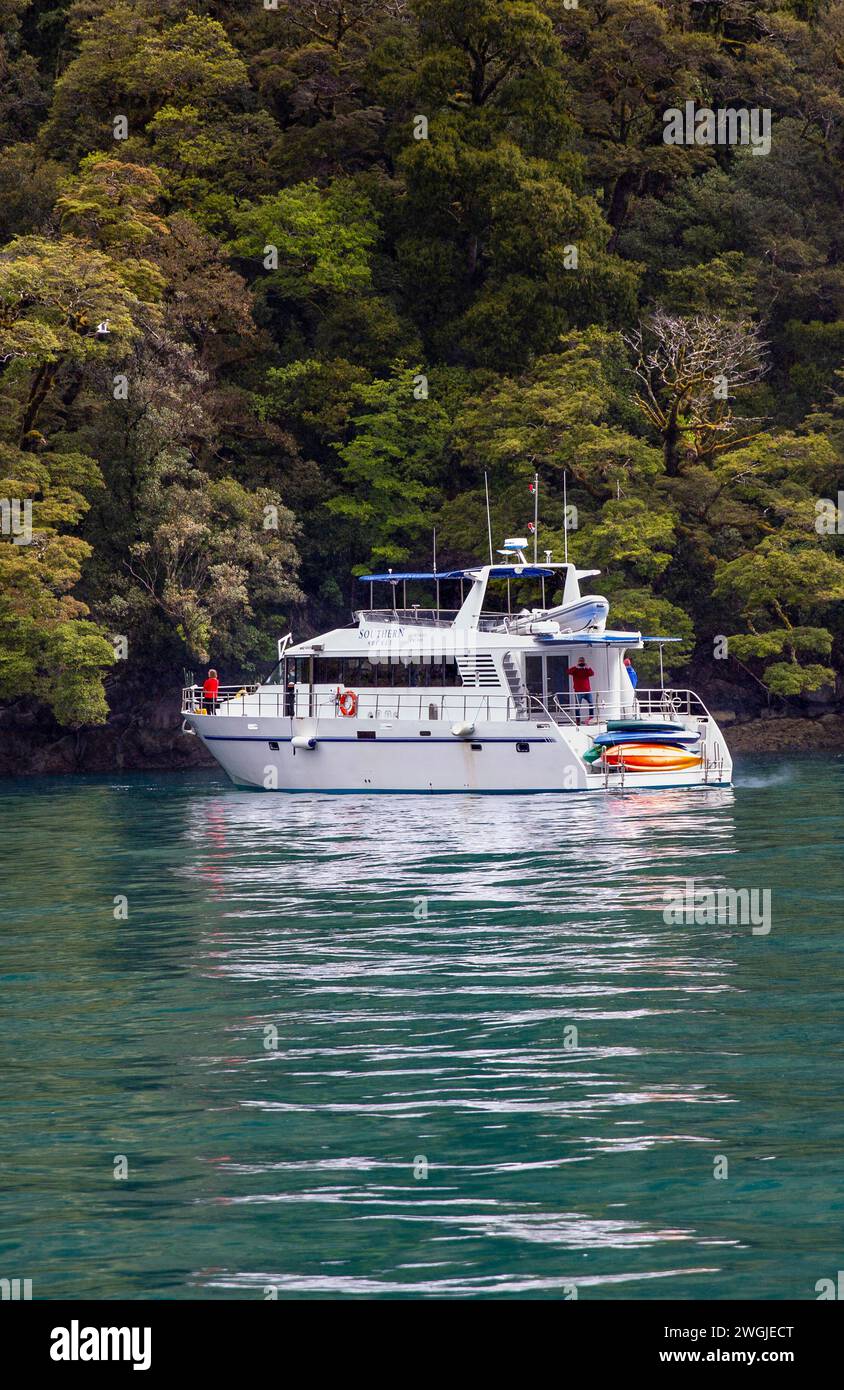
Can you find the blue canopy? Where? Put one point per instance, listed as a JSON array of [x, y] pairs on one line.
[[414, 574], [589, 639], [496, 572]]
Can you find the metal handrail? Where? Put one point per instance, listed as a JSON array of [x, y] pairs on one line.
[[606, 704], [422, 704], [671, 702], [193, 700], [421, 617], [488, 621]]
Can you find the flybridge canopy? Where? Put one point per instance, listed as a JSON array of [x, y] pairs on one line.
[[495, 572]]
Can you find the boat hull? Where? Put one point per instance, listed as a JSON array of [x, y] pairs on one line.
[[405, 756]]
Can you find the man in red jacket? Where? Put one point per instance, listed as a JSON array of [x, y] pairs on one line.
[[579, 676], [210, 688]]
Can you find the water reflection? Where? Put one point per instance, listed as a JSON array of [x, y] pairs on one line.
[[426, 962]]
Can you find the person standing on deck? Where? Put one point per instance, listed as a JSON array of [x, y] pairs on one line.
[[632, 676], [579, 676], [290, 697], [210, 688]]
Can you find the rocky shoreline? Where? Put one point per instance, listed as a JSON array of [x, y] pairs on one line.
[[147, 737], [781, 734]]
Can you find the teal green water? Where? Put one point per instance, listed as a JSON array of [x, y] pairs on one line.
[[402, 1037]]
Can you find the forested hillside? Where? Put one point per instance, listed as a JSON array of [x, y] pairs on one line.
[[280, 281]]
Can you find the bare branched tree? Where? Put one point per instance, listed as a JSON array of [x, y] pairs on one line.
[[689, 371], [330, 20]]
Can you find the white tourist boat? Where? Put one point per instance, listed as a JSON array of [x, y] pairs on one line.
[[413, 699]]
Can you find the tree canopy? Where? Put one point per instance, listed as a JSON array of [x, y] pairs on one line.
[[278, 285]]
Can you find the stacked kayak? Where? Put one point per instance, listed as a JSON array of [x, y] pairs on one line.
[[646, 745]]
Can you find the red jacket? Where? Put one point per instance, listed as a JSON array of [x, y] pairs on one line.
[[580, 678], [210, 688]]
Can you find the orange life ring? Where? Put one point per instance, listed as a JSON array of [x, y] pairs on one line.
[[348, 704]]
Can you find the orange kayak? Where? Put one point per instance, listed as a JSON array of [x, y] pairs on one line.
[[642, 757]]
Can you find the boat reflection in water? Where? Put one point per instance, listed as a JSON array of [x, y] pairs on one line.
[[423, 964]]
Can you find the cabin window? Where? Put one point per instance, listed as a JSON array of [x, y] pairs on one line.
[[423, 673], [327, 670], [359, 673], [366, 733], [477, 747], [522, 747], [274, 747], [355, 672]]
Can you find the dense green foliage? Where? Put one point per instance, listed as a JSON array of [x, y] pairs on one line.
[[279, 282]]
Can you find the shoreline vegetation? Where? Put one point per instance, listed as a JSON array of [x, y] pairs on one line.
[[282, 286]]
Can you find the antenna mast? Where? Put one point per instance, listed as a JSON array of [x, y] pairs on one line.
[[565, 520], [535, 515]]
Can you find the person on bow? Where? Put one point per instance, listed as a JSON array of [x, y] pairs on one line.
[[210, 690]]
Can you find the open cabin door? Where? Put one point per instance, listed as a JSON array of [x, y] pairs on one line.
[[547, 676]]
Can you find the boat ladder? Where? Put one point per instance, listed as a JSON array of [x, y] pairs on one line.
[[619, 770], [713, 764]]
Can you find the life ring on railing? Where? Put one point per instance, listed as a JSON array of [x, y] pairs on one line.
[[348, 704]]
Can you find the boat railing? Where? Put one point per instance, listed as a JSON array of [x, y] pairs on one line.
[[420, 705], [230, 699], [435, 617], [561, 707], [417, 617], [614, 704], [253, 701], [670, 704], [605, 704]]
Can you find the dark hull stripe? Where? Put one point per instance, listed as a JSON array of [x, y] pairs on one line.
[[283, 738]]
